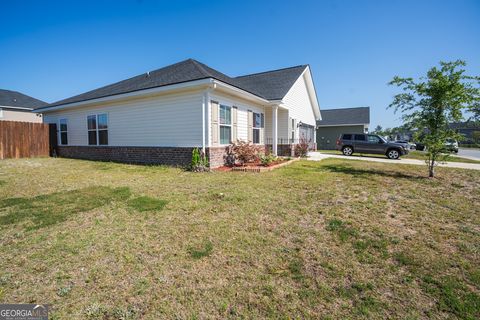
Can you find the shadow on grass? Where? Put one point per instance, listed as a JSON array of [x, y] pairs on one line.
[[46, 210], [369, 172]]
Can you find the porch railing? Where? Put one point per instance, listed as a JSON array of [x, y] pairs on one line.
[[286, 141]]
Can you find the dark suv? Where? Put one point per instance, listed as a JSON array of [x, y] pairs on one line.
[[349, 143]]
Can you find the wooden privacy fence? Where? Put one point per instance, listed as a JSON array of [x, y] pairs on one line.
[[23, 139]]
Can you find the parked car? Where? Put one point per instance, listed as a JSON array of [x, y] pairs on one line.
[[420, 146], [411, 146], [350, 143], [451, 145]]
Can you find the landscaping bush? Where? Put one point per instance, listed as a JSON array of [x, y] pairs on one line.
[[245, 152], [301, 149], [199, 161], [267, 159]]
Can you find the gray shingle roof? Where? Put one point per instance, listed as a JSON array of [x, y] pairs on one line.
[[344, 116], [270, 85], [10, 98]]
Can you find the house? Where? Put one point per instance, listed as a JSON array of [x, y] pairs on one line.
[[16, 106], [160, 116], [337, 121]]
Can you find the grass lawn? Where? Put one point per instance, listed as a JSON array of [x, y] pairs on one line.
[[333, 239], [419, 155]]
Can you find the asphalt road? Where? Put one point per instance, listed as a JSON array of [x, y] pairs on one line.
[[469, 153]]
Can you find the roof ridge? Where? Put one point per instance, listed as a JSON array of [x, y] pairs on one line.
[[346, 108], [274, 70], [200, 67]]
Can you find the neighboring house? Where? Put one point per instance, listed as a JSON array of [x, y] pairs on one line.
[[334, 122], [467, 129], [16, 106], [160, 116]]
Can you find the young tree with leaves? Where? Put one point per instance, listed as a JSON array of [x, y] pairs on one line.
[[433, 102]]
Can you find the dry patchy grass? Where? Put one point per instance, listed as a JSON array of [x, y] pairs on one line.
[[329, 239]]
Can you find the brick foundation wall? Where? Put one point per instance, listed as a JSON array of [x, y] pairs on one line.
[[216, 156], [174, 156]]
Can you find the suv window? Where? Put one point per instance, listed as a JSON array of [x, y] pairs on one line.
[[360, 137], [373, 139], [347, 137]]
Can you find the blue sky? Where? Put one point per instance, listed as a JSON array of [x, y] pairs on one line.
[[55, 49]]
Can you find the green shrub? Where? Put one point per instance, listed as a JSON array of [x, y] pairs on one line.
[[199, 161]]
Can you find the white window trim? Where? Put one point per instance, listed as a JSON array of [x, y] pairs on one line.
[[220, 125], [60, 132], [97, 130], [258, 128], [1, 113]]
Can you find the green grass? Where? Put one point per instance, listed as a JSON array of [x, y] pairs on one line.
[[418, 155], [147, 204], [315, 240]]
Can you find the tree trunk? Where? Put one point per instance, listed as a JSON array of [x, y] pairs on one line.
[[431, 168]]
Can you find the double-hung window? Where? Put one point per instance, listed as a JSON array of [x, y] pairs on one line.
[[97, 129], [225, 124], [258, 124], [63, 131]]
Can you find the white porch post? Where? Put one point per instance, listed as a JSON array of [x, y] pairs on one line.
[[274, 129], [206, 120]]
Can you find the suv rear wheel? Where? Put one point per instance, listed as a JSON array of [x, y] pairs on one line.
[[393, 154], [347, 151]]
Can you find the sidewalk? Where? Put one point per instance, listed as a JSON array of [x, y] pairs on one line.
[[317, 156]]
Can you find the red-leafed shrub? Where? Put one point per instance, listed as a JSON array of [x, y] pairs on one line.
[[245, 152], [301, 149]]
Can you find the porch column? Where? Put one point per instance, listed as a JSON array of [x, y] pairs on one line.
[[274, 129]]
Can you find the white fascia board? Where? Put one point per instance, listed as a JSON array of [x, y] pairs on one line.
[[17, 108], [134, 94], [238, 92]]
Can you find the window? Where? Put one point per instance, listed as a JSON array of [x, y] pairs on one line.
[[97, 129], [293, 131], [63, 131], [258, 124], [225, 124], [347, 137], [360, 137], [373, 139]]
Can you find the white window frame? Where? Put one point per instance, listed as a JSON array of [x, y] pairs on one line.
[[97, 130], [1, 113], [220, 125], [293, 131], [60, 131], [262, 126]]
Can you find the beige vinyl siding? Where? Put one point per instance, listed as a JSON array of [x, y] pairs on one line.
[[242, 112], [24, 116], [298, 103], [282, 124], [168, 120]]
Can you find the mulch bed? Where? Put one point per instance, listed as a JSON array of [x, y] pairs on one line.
[[256, 167]]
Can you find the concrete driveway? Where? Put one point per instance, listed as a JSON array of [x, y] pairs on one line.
[[318, 156], [469, 153]]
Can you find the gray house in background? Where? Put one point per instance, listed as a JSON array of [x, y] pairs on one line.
[[16, 106], [337, 121]]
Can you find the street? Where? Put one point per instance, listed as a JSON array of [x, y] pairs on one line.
[[470, 153]]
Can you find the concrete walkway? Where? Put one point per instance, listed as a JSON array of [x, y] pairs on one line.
[[317, 156]]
